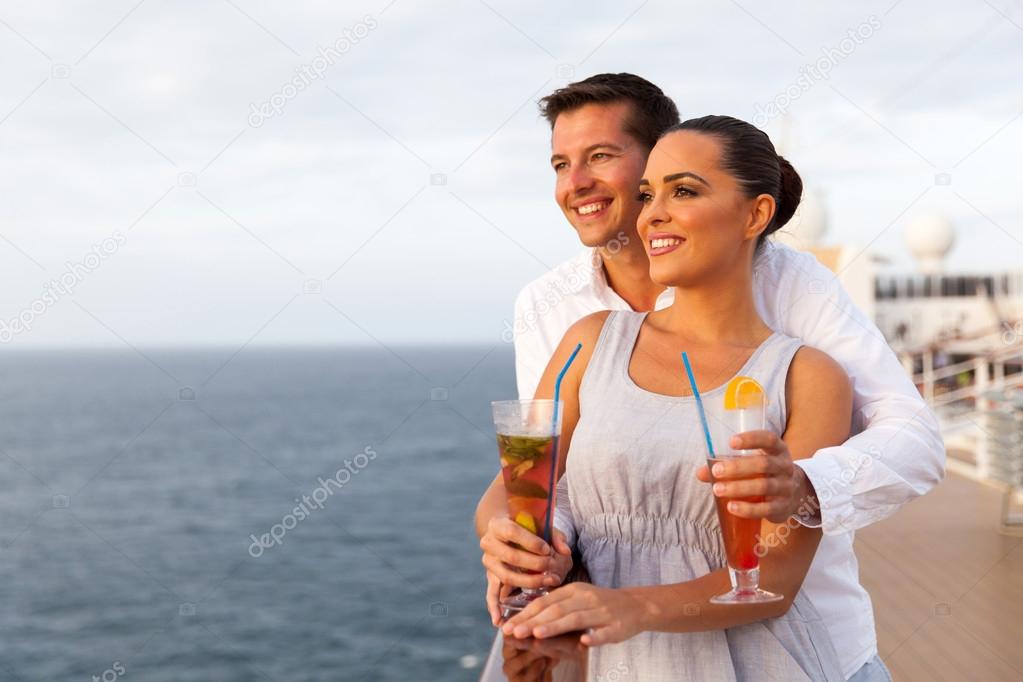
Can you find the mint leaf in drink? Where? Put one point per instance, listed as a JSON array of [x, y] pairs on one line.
[[523, 447]]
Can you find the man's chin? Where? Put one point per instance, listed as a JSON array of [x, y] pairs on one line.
[[593, 237]]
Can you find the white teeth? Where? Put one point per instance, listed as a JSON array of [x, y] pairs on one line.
[[661, 243], [592, 208]]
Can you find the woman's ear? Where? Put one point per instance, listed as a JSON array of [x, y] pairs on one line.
[[760, 215]]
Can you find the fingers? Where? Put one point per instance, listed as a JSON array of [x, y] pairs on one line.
[[500, 551], [508, 531], [764, 486], [757, 440], [493, 597], [774, 509], [560, 568], [536, 607], [510, 576], [750, 466], [703, 474], [570, 622], [538, 618], [596, 636], [560, 546]]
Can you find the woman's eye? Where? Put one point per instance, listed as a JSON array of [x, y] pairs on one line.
[[644, 197], [681, 191]]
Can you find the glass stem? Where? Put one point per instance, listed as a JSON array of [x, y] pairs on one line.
[[745, 581]]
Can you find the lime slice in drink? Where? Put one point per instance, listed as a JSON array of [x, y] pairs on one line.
[[526, 520], [743, 393]]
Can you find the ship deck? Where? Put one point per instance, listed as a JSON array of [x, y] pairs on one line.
[[947, 587]]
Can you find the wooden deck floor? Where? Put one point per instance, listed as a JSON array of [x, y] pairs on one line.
[[947, 587]]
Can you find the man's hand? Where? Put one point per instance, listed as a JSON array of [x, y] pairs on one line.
[[769, 474], [508, 549]]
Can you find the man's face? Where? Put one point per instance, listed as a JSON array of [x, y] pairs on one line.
[[598, 167]]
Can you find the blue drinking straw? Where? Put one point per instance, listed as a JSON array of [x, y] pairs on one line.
[[699, 404], [554, 443]]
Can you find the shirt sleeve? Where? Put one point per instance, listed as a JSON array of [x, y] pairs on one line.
[[531, 351], [898, 453]]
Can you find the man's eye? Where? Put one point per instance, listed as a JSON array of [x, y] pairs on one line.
[[599, 156], [559, 165]]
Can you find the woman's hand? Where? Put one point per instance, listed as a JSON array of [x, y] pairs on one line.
[[769, 474], [508, 549], [607, 615]]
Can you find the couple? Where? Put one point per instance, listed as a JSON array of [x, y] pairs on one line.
[[676, 216]]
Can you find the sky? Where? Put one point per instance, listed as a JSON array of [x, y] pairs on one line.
[[166, 182]]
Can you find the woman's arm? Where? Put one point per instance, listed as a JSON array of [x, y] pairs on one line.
[[819, 398]]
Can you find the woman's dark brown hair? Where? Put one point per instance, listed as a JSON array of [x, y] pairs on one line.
[[748, 155]]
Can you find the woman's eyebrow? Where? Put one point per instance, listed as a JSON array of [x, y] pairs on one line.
[[685, 174]]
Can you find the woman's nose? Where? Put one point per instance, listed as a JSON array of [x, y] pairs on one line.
[[653, 214]]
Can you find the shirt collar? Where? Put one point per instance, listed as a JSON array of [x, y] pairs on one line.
[[603, 292]]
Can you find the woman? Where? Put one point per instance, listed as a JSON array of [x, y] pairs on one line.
[[647, 532]]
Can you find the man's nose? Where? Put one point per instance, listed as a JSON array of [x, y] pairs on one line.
[[579, 179]]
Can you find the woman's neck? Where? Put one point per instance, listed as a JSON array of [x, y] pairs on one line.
[[716, 312]]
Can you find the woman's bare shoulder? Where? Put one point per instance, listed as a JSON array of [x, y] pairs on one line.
[[814, 371], [588, 327]]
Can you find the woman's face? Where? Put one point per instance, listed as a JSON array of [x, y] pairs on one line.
[[696, 223]]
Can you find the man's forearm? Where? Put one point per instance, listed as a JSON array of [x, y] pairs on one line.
[[871, 475], [899, 455]]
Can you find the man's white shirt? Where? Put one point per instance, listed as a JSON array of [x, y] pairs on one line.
[[896, 455]]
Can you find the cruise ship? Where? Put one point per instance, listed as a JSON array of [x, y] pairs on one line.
[[959, 335]]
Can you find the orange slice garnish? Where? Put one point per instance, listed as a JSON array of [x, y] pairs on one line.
[[743, 393]]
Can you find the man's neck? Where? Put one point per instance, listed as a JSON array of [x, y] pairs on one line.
[[628, 273]]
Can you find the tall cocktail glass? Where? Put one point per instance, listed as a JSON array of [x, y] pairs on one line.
[[527, 438], [744, 410]]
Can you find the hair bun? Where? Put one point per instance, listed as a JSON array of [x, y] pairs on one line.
[[789, 194]]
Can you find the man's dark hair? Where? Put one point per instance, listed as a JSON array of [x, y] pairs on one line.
[[652, 113]]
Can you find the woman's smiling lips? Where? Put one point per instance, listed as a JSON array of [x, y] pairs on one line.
[[663, 242]]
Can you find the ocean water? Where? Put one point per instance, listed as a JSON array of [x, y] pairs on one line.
[[131, 486]]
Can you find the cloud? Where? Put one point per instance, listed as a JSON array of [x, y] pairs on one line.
[[149, 127]]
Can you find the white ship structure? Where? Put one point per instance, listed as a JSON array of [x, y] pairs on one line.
[[958, 334]]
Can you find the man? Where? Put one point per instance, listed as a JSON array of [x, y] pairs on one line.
[[602, 131]]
